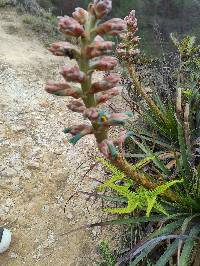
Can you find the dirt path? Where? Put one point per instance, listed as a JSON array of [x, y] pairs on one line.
[[37, 165]]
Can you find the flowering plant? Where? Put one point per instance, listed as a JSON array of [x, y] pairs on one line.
[[148, 182], [91, 55]]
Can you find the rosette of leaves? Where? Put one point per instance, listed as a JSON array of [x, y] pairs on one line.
[[176, 236], [169, 131]]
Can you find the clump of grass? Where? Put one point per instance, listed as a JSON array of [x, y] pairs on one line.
[[4, 3], [107, 258]]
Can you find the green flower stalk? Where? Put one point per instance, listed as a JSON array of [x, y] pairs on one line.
[[91, 55]]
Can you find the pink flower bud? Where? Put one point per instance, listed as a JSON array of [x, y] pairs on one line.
[[103, 147], [103, 97], [73, 74], [123, 135], [119, 118], [132, 38], [71, 27], [131, 22], [121, 52], [108, 149], [80, 128], [62, 89], [135, 39], [91, 113], [113, 26], [80, 15], [102, 7], [78, 132], [121, 46], [121, 139], [98, 38], [77, 106], [65, 49], [107, 83], [134, 52], [104, 63], [98, 48], [127, 53]]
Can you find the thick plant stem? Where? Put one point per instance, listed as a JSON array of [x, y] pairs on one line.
[[140, 90], [140, 179], [89, 99]]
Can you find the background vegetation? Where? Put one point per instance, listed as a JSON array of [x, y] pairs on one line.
[[154, 17]]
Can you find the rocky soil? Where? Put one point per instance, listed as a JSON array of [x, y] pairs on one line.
[[39, 169]]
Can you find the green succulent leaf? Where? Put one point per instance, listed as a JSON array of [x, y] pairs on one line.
[[140, 197]]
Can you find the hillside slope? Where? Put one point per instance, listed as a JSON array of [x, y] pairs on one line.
[[39, 170]]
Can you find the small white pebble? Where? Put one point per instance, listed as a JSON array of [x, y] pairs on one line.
[[5, 239], [13, 255]]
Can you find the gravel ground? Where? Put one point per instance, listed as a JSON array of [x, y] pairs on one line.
[[39, 169]]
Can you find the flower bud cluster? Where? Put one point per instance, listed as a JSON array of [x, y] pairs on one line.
[[70, 26], [65, 49], [78, 132], [98, 47], [127, 49], [80, 15], [73, 74], [92, 55], [102, 7], [114, 26], [63, 88]]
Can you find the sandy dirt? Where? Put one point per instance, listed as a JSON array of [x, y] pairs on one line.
[[39, 169]]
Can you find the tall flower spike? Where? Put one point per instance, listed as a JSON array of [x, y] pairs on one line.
[[80, 15], [104, 63], [73, 74], [102, 7], [71, 27], [63, 89], [114, 26], [127, 50], [65, 49], [85, 25], [131, 22]]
